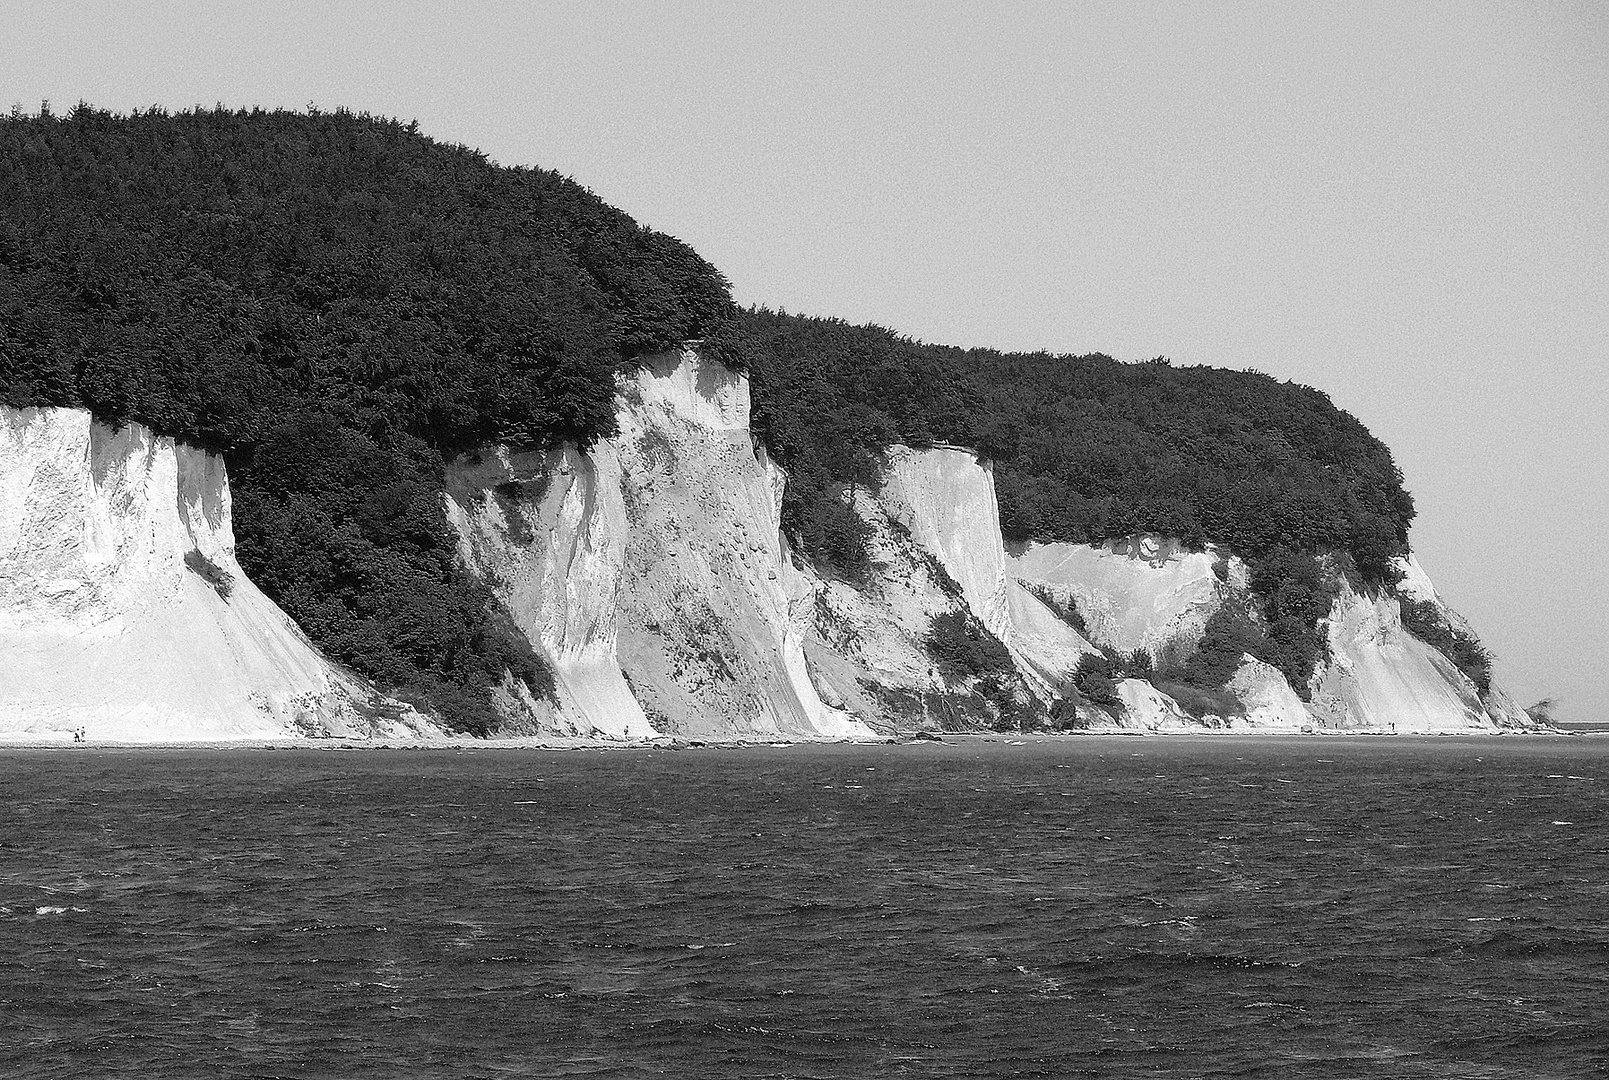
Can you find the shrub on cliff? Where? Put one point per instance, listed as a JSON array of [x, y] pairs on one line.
[[1423, 619], [1096, 679], [1228, 636], [962, 648], [1065, 610], [221, 580]]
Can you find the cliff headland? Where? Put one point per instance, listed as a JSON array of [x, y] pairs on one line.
[[311, 427]]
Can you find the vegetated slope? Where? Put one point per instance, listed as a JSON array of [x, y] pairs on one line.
[[1086, 449], [333, 302]]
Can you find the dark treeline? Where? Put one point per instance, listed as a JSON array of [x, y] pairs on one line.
[[1086, 449], [333, 302]]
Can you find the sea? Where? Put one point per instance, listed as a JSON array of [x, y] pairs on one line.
[[1074, 907]]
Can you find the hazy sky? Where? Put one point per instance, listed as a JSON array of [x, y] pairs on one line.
[[1405, 205]]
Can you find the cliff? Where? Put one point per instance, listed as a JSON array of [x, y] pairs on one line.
[[649, 570], [414, 300], [1380, 677], [123, 611], [1142, 592]]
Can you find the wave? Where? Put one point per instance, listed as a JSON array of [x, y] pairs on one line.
[[1509, 943], [1146, 963]]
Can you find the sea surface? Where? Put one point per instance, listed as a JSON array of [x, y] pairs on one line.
[[1085, 907]]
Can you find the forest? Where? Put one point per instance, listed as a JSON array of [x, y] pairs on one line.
[[337, 303]]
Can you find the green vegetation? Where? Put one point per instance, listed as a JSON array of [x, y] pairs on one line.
[[1066, 611], [1086, 448], [221, 580], [1201, 703], [1424, 620], [1229, 635], [962, 648], [973, 660], [1097, 677], [335, 303]]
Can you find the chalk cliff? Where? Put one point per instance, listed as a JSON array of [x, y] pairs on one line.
[[945, 499], [1141, 592], [650, 571], [1380, 677], [123, 611], [1146, 592]]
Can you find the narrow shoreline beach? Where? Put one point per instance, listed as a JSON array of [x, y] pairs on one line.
[[672, 743]]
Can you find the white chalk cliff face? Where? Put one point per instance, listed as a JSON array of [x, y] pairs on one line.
[[1379, 677], [548, 529], [1146, 592], [1142, 592], [935, 550], [945, 499], [650, 571], [116, 551], [1270, 703]]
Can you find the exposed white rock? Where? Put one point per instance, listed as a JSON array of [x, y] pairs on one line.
[[103, 625], [1509, 714], [1497, 707], [945, 498], [1043, 643], [865, 643], [711, 638], [651, 571], [1143, 592], [1271, 705], [549, 531], [1145, 708], [1502, 709], [1379, 677]]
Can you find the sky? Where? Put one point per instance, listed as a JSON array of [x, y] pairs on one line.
[[1403, 204]]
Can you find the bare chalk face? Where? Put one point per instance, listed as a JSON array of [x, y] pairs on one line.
[[1405, 206]]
